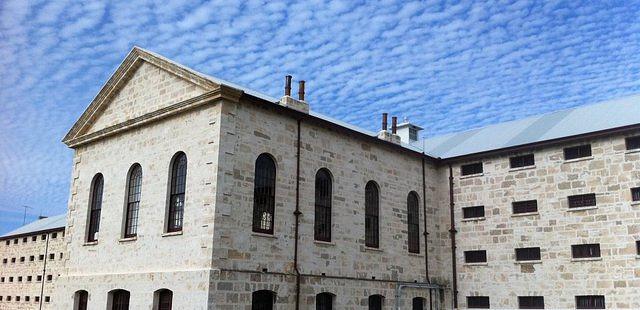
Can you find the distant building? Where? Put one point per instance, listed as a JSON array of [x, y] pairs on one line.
[[32, 258]]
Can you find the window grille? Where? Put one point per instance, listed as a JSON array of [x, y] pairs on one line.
[[262, 300], [577, 152], [324, 301], [635, 194], [585, 250], [478, 302], [522, 161], [133, 201], [322, 226], [633, 143], [177, 192], [584, 200], [418, 303], [375, 302], [527, 254], [372, 211], [470, 169], [165, 300], [264, 191], [590, 302], [526, 206], [413, 223], [96, 207], [120, 300], [473, 212], [479, 256]]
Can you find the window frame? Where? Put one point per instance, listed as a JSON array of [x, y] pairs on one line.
[[96, 196], [577, 152], [372, 214], [582, 201], [632, 143], [475, 257], [413, 222], [264, 194], [528, 254], [119, 299], [586, 250], [176, 193], [160, 301], [522, 161], [635, 194], [261, 297], [324, 301], [524, 206], [133, 194], [473, 213], [593, 302], [472, 169], [375, 302], [323, 205], [478, 302], [80, 300]]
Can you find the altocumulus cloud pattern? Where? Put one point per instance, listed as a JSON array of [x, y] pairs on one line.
[[448, 66]]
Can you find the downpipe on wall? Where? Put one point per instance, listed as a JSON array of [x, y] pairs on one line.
[[452, 233], [297, 214]]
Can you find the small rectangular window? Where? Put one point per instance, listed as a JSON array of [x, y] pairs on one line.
[[2, 279], [522, 161], [52, 256], [580, 201], [473, 212], [528, 254], [49, 277], [22, 259], [39, 278], [525, 206], [8, 298], [27, 298], [479, 256], [635, 194], [638, 247], [13, 259], [41, 257], [29, 278], [32, 258], [24, 240], [633, 143], [470, 169], [8, 242], [590, 302], [585, 250], [17, 298], [34, 238], [0, 297], [4, 261], [478, 302], [15, 241], [43, 237], [20, 279], [10, 279], [47, 299], [54, 235], [577, 152], [36, 298]]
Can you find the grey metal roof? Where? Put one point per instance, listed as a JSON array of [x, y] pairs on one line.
[[560, 124], [58, 221]]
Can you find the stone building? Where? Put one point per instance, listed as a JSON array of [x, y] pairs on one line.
[[32, 259], [189, 192]]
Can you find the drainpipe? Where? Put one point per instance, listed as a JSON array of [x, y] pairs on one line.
[[452, 233], [297, 214], [426, 233], [44, 270]]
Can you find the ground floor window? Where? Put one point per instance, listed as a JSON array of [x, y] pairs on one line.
[[119, 300], [81, 300], [163, 299], [375, 302], [418, 303], [262, 300], [324, 301]]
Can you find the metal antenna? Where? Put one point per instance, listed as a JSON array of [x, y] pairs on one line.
[[24, 218]]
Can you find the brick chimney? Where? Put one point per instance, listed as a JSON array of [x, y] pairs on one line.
[[289, 102], [384, 133]]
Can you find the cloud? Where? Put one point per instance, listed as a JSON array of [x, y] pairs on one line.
[[448, 67]]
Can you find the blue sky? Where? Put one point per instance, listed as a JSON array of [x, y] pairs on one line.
[[447, 66]]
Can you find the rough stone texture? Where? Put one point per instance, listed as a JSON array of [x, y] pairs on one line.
[[21, 285]]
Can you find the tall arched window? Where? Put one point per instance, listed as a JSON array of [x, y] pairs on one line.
[[95, 207], [262, 300], [81, 298], [264, 192], [418, 303], [176, 192], [133, 201], [372, 213], [163, 300], [119, 300], [375, 302], [324, 301], [413, 222], [322, 225]]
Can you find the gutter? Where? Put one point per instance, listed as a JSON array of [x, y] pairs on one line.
[[297, 214], [452, 234]]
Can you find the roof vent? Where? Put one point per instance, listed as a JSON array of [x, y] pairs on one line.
[[408, 132]]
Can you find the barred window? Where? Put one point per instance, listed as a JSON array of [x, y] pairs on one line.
[[322, 224], [470, 169], [584, 200], [413, 222], [522, 161], [528, 254], [635, 194], [577, 152], [418, 303], [479, 256], [262, 300], [633, 143], [585, 250], [264, 193], [590, 302], [81, 299], [473, 212], [372, 212], [478, 302], [324, 301], [119, 299], [164, 299], [95, 207], [376, 302], [177, 190], [525, 206], [133, 201]]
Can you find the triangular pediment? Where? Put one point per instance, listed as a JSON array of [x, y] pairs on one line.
[[143, 84]]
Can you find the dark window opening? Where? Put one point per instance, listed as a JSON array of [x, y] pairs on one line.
[[24, 240], [133, 201], [526, 206], [54, 235], [413, 222], [82, 298], [324, 301], [522, 161], [527, 254], [372, 212], [120, 300], [585, 250], [470, 169], [638, 247], [165, 299], [584, 200], [473, 212], [177, 192], [577, 152], [322, 224], [635, 194], [262, 300], [418, 303], [264, 193], [478, 302], [95, 208], [590, 302], [47, 299], [479, 256], [375, 302], [633, 143]]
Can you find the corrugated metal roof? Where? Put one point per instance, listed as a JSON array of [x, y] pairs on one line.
[[58, 221], [566, 123]]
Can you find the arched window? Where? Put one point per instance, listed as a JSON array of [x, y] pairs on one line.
[[163, 299], [262, 300], [95, 207], [322, 225], [264, 192], [372, 212], [134, 184], [375, 302], [176, 192], [413, 222], [80, 300], [324, 301], [418, 303], [119, 300]]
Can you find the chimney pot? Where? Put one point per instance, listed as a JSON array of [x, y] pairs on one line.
[[301, 90], [384, 121], [394, 125], [287, 85]]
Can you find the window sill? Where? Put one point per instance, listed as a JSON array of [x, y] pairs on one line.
[[324, 243], [635, 203], [586, 259], [173, 233], [257, 234], [90, 243], [471, 176], [637, 256], [522, 168], [473, 219], [525, 262], [416, 254], [582, 209], [370, 249], [525, 214], [575, 160], [129, 239], [632, 151], [476, 264]]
